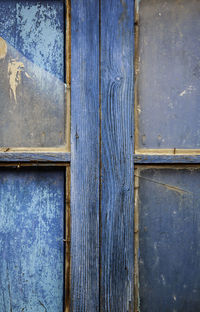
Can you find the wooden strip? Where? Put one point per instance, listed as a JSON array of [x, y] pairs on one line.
[[167, 151], [166, 159], [34, 157], [117, 56], [68, 73], [85, 156], [67, 238], [68, 171], [136, 242]]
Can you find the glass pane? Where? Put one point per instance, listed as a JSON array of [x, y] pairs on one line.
[[169, 240], [32, 90], [169, 72], [31, 239]]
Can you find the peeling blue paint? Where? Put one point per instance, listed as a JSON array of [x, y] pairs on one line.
[[31, 239], [36, 29]]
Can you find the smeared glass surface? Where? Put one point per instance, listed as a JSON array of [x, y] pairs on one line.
[[169, 240], [169, 74], [32, 90]]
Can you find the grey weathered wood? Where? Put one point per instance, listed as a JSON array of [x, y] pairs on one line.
[[85, 156], [117, 206], [166, 159], [34, 157]]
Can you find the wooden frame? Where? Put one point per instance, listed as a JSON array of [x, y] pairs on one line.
[[57, 154], [173, 155], [100, 200], [67, 230], [61, 154]]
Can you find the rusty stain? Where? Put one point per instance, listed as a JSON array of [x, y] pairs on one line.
[[3, 48]]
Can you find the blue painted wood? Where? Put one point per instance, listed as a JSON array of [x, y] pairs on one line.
[[35, 157], [166, 159], [31, 239], [36, 29], [85, 156], [117, 202], [32, 89], [169, 73], [169, 266]]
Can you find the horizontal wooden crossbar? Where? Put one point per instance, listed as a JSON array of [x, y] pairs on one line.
[[166, 159], [56, 157]]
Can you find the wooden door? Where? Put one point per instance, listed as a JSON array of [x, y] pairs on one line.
[[126, 253]]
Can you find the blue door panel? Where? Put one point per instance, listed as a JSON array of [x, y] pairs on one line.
[[169, 244], [31, 240]]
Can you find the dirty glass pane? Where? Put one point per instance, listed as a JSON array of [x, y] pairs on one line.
[[169, 240], [32, 90], [169, 74]]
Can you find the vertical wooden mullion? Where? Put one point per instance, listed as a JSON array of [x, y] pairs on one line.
[[67, 240], [85, 155], [117, 136], [68, 71]]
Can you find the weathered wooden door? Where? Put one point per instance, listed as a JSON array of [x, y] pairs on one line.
[[111, 250]]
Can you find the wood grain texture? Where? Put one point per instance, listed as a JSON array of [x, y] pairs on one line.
[[67, 239], [31, 239], [35, 157], [117, 206], [85, 156], [166, 159]]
